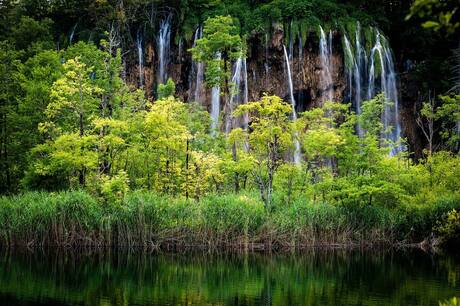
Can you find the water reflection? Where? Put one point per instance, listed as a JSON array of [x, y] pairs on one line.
[[311, 278]]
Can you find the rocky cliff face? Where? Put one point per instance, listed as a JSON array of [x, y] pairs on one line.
[[267, 73], [266, 69]]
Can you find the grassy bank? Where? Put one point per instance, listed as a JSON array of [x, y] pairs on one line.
[[73, 219]]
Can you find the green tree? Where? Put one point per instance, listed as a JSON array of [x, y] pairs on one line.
[[74, 103], [237, 161], [269, 140], [221, 44], [449, 111], [37, 77], [32, 35], [166, 136], [9, 143]]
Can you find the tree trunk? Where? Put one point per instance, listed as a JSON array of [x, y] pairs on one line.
[[81, 177]]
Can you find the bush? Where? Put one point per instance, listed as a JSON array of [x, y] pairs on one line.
[[449, 228]]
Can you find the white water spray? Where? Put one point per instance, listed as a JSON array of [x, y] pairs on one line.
[[163, 42], [325, 49], [140, 57], [364, 81], [240, 92], [198, 70], [215, 104], [297, 152], [72, 33]]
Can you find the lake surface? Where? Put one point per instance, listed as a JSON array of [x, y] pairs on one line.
[[333, 277]]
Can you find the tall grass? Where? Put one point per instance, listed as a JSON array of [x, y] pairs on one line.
[[75, 218]]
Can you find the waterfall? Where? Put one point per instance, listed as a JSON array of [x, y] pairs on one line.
[[215, 107], [391, 124], [240, 91], [357, 73], [235, 94], [349, 66], [354, 80], [199, 69], [140, 57], [72, 33], [291, 87], [163, 43], [297, 153], [246, 92], [215, 104], [363, 81], [325, 49]]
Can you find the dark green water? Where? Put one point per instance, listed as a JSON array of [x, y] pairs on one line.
[[310, 278]]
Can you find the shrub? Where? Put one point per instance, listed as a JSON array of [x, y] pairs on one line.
[[449, 228]]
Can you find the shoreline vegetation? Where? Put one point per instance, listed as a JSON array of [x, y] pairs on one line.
[[75, 219]]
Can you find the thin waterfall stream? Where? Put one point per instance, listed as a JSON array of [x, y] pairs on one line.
[[163, 44], [297, 152]]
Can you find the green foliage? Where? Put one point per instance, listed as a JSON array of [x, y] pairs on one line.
[[270, 138], [145, 219], [449, 228], [221, 44], [449, 112], [76, 217], [451, 302], [371, 113], [33, 35], [115, 188], [166, 90], [9, 123], [438, 15]]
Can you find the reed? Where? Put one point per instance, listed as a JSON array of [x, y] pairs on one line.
[[147, 220]]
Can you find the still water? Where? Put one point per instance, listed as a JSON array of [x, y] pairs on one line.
[[335, 277]]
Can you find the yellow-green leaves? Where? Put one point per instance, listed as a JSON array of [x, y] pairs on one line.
[[271, 129], [74, 98]]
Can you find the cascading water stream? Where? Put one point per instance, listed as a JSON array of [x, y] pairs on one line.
[[325, 48], [297, 152], [215, 104], [235, 95], [140, 57], [197, 70], [354, 80], [363, 81], [163, 43], [72, 33], [246, 92], [391, 124], [240, 92]]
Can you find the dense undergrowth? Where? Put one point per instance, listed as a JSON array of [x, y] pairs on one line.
[[77, 219]]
